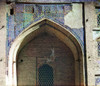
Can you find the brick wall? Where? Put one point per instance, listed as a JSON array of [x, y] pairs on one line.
[[40, 47]]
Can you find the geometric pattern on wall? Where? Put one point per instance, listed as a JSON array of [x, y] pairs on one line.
[[26, 14], [98, 16], [98, 48], [45, 77], [98, 20], [97, 80]]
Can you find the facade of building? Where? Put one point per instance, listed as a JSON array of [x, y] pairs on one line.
[[49, 43]]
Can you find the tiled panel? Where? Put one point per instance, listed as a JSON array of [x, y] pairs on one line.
[[26, 14], [99, 49], [10, 31], [97, 80], [98, 16]]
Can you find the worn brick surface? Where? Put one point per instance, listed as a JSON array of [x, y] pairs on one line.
[[40, 47]]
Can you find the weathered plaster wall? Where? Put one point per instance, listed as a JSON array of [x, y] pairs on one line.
[[2, 43], [96, 39], [91, 51]]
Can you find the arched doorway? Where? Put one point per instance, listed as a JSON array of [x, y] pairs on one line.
[[47, 49], [58, 31]]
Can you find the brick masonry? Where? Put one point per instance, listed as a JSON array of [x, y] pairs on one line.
[[40, 47]]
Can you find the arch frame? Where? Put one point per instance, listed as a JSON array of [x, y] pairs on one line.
[[53, 28]]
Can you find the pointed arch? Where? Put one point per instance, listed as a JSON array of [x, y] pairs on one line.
[[48, 26]]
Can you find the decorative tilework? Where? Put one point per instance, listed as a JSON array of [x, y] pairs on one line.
[[98, 20], [97, 80], [26, 14], [98, 16], [66, 9], [98, 48]]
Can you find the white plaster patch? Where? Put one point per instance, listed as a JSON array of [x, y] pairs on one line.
[[74, 18]]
